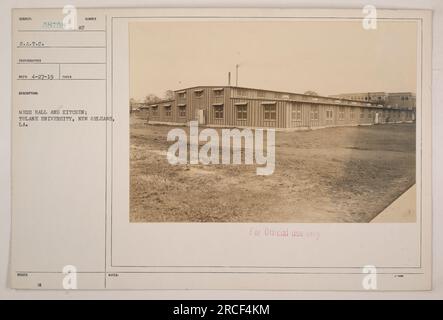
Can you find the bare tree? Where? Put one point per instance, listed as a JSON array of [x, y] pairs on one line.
[[169, 95], [152, 98]]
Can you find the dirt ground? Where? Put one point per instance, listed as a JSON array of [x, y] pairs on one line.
[[343, 174]]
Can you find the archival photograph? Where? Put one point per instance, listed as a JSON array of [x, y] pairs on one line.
[[277, 121]]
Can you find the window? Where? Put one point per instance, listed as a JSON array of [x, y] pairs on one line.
[[182, 111], [296, 113], [168, 112], [154, 111], [218, 92], [182, 94], [329, 115], [352, 113], [242, 112], [198, 93], [270, 111], [242, 92], [314, 112], [362, 113], [369, 114], [218, 112], [341, 113], [261, 94]]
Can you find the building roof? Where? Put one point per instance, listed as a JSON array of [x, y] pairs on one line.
[[332, 99], [259, 89]]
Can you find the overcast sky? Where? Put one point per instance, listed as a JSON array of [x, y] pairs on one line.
[[326, 57]]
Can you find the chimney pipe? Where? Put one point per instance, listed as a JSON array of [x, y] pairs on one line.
[[236, 75], [229, 78]]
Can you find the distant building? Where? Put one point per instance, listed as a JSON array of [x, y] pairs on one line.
[[135, 106], [390, 99], [228, 106], [401, 100], [372, 97]]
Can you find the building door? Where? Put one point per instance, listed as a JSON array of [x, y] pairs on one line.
[[200, 116], [314, 116]]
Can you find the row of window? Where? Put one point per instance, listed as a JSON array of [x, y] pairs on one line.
[[366, 98], [168, 111], [199, 93], [270, 112], [314, 113], [261, 94]]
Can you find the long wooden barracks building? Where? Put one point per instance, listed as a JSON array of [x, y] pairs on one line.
[[228, 106]]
